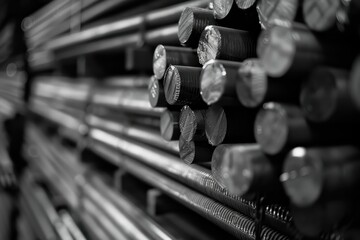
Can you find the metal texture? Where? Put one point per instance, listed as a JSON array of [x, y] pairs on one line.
[[156, 93], [169, 125], [313, 174], [195, 152], [224, 217], [242, 169], [166, 55], [192, 124], [294, 50], [194, 176], [224, 125], [182, 85], [152, 19], [142, 134], [218, 82], [225, 44], [254, 87]]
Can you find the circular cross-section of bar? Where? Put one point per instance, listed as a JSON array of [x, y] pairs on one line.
[[166, 55], [251, 87], [192, 124], [222, 8], [169, 125], [182, 86], [245, 4], [191, 24], [156, 93], [226, 44], [273, 10], [320, 15], [241, 168], [195, 152]]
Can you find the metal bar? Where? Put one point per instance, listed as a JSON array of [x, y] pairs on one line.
[[254, 87], [195, 176], [192, 124], [243, 227], [169, 125], [157, 97], [225, 44], [167, 35], [227, 125], [138, 133], [132, 211], [164, 56], [337, 167], [135, 101], [182, 86], [195, 152], [152, 19], [218, 82]]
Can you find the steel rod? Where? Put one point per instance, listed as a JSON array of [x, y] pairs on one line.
[[243, 169], [169, 125], [192, 124], [226, 125], [243, 227], [195, 152], [313, 174], [194, 176], [164, 56], [218, 82], [325, 97], [302, 50], [154, 18], [254, 87], [225, 44], [182, 85], [156, 93]]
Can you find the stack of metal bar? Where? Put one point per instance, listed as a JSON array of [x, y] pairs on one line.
[[249, 119]]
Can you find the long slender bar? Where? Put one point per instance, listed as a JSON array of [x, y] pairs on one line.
[[311, 174], [156, 93], [182, 85], [243, 227], [225, 44], [155, 18], [195, 176]]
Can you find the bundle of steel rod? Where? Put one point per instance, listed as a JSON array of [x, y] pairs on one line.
[[258, 98]]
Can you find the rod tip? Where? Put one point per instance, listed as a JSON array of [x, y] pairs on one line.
[[172, 84], [271, 128], [159, 61], [252, 85], [245, 4], [302, 177], [222, 8], [187, 150], [212, 81], [168, 120], [187, 123], [185, 25], [276, 50], [320, 15], [209, 44], [215, 125]]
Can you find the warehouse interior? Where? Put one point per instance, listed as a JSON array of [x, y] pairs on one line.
[[179, 119]]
